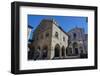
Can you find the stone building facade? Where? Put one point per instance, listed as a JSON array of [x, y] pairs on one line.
[[50, 41]]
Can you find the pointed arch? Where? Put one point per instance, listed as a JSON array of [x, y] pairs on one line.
[[57, 50]]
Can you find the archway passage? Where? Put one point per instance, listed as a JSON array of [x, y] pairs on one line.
[[45, 52], [63, 51], [57, 50], [76, 51], [75, 48], [67, 51]]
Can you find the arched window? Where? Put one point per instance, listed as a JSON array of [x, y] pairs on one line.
[[74, 35], [63, 38], [56, 34]]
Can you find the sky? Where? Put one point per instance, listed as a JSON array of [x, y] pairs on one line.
[[66, 22]]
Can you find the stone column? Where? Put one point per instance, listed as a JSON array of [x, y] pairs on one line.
[[60, 51], [49, 53], [84, 51], [64, 53], [73, 52], [52, 53], [78, 48]]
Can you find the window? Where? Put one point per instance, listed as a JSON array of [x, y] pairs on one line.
[[47, 35], [74, 35], [56, 34], [63, 38]]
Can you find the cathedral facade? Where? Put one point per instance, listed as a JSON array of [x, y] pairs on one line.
[[77, 43]]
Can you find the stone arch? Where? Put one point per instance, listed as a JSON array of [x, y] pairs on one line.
[[75, 48], [63, 51], [57, 50]]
